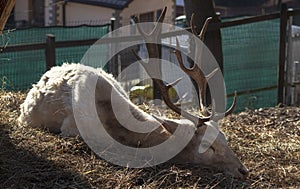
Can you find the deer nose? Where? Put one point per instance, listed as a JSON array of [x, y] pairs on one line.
[[243, 171]]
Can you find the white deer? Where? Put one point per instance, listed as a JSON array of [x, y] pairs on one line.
[[49, 105]]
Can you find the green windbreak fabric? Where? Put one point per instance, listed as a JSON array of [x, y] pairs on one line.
[[251, 57], [19, 70]]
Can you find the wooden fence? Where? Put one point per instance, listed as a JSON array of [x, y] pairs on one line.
[[50, 45]]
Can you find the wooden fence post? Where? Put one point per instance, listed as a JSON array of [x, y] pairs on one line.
[[112, 23], [282, 53], [157, 96], [113, 68], [50, 52]]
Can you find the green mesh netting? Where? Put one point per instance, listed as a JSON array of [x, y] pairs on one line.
[[250, 59], [19, 70], [251, 55]]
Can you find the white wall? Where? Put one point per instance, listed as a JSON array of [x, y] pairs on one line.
[[49, 16], [22, 10], [137, 7], [77, 14]]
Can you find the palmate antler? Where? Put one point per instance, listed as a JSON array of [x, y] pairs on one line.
[[153, 69]]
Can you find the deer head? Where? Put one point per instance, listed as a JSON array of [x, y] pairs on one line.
[[216, 154]]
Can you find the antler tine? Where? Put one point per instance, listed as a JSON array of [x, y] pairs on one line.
[[170, 85], [136, 20], [198, 76], [204, 28], [212, 74], [153, 56], [228, 112], [192, 25], [165, 94], [231, 109], [159, 22], [157, 27], [180, 61], [196, 73]]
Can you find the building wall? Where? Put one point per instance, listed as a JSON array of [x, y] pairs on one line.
[[22, 10], [59, 13], [38, 13], [138, 7], [29, 13], [50, 13], [77, 14]]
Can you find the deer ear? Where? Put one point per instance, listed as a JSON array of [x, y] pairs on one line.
[[168, 125]]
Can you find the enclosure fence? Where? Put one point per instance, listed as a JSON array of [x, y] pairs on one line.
[[255, 53], [250, 55], [23, 58], [292, 78]]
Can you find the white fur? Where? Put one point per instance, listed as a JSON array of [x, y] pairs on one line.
[[49, 105], [49, 102]]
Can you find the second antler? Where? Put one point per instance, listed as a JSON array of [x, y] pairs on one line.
[[153, 69]]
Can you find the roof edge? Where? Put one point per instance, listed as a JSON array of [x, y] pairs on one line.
[[127, 4], [100, 4]]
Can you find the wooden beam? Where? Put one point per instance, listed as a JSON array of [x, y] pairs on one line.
[[50, 52], [282, 52], [6, 7]]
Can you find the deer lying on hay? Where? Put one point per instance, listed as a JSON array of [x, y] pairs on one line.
[[49, 105]]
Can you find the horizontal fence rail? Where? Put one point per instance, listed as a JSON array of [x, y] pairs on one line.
[[61, 44]]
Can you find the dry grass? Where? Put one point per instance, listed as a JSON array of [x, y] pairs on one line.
[[266, 140]]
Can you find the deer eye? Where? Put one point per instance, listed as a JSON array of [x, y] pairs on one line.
[[204, 147], [211, 147]]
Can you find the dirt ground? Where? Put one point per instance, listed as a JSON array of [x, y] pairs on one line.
[[266, 140]]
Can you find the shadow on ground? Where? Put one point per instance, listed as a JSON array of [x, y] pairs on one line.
[[20, 168]]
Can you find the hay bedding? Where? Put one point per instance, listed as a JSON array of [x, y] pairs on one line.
[[267, 141]]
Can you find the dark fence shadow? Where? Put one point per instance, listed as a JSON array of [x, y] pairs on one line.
[[21, 168]]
